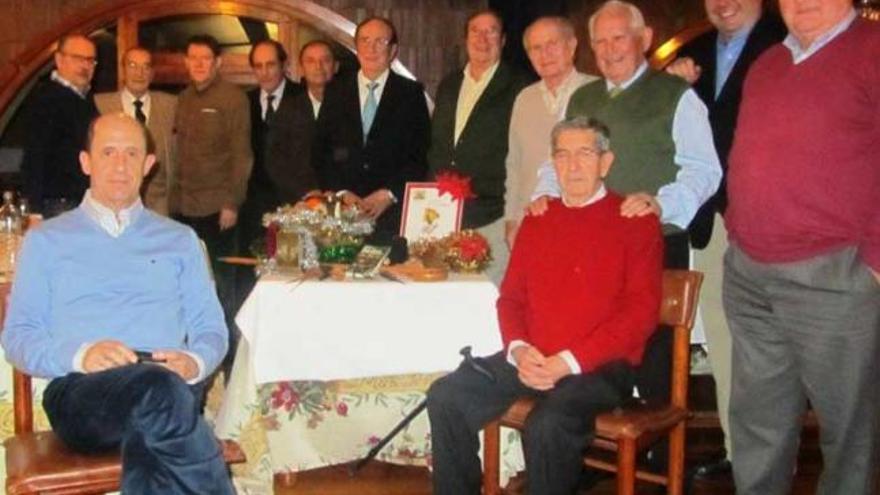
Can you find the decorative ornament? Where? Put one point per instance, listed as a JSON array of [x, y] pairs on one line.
[[329, 231], [465, 251]]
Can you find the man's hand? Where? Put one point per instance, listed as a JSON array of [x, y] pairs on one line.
[[686, 69], [228, 218], [530, 365], [538, 207], [107, 354], [178, 362], [639, 204], [510, 229], [376, 203]]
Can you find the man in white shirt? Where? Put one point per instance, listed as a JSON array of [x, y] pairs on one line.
[[318, 66], [156, 110], [550, 43], [373, 131]]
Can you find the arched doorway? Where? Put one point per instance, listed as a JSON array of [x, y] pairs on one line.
[[119, 25]]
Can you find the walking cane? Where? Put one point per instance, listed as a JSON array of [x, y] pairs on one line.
[[467, 359]]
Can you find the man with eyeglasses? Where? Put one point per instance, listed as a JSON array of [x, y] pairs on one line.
[[58, 114], [373, 131], [469, 130], [580, 298], [550, 43], [665, 156], [156, 110]]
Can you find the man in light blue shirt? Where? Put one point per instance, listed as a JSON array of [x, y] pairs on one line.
[[98, 284]]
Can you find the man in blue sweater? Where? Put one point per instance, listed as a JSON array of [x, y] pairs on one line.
[[100, 282]]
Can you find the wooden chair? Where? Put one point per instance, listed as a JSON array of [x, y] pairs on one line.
[[630, 429], [38, 462]]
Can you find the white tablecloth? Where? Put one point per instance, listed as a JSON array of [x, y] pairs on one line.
[[326, 330]]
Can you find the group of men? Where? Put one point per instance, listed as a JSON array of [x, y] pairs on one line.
[[592, 185]]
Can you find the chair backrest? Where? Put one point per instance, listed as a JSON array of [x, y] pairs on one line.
[[678, 309]]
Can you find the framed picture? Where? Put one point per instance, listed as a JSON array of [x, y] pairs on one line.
[[427, 213]]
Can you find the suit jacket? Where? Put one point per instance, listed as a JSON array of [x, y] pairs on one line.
[[282, 170], [160, 123], [723, 111], [482, 146], [57, 122], [393, 152]]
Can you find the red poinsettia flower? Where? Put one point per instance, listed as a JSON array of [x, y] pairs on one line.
[[456, 185], [472, 247], [284, 396]]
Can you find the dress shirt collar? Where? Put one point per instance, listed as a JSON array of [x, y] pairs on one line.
[[799, 53], [727, 52], [629, 82], [487, 75], [597, 196], [739, 35], [128, 103], [556, 103], [109, 221], [316, 104], [69, 85], [277, 94], [363, 88]]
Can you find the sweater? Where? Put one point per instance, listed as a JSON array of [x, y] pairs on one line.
[[149, 288], [803, 172], [585, 280], [57, 121], [214, 156]]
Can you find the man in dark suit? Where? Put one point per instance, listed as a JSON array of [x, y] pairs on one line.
[[58, 114], [318, 66], [469, 130], [716, 64], [281, 137], [373, 131]]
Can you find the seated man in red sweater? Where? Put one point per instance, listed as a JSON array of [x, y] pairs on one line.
[[578, 302]]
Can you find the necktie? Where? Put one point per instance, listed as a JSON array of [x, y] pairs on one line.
[[139, 111], [270, 109], [370, 106], [613, 92]]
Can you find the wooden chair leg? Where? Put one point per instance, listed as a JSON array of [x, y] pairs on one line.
[[492, 458], [626, 466], [676, 459]]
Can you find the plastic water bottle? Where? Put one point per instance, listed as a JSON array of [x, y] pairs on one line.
[[10, 234]]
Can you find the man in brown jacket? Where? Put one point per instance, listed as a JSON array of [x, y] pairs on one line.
[[214, 161]]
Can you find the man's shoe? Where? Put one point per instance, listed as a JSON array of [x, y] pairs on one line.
[[712, 469]]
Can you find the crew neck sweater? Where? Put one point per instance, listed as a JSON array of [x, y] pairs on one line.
[[586, 280], [804, 178]]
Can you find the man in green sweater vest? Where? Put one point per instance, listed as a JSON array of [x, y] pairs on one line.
[[665, 159]]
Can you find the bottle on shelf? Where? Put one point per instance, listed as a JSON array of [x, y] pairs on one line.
[[10, 234]]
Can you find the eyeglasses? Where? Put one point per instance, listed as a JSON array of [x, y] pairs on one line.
[[80, 58], [140, 67], [373, 42], [582, 155]]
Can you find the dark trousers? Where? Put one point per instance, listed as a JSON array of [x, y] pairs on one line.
[[150, 414], [555, 434], [220, 243]]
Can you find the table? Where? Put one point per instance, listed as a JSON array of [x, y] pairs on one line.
[[325, 369]]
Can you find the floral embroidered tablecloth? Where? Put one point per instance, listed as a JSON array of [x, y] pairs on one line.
[[291, 426]]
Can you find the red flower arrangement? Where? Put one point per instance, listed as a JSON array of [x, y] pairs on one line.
[[467, 251], [456, 185]]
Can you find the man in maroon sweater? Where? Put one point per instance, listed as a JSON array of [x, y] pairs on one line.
[[801, 288], [578, 302]]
